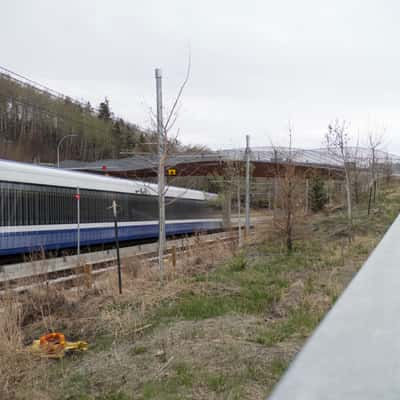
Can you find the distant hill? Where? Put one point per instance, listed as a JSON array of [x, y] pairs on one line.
[[34, 118]]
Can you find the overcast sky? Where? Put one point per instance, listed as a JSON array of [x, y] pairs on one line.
[[255, 64]]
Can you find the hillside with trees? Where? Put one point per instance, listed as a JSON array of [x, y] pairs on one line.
[[34, 118]]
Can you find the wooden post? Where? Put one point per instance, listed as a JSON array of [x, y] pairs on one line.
[[88, 278], [173, 256]]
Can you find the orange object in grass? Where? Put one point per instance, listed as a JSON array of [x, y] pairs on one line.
[[52, 342]]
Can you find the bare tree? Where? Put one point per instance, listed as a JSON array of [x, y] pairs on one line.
[[337, 141], [228, 181], [164, 141], [290, 199], [375, 141], [355, 170], [387, 169]]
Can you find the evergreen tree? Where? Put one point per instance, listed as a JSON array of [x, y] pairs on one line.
[[318, 194], [117, 139], [88, 107], [104, 110]]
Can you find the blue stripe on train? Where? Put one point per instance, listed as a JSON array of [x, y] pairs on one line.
[[25, 242]]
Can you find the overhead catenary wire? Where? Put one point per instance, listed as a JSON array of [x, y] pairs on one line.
[[54, 94]]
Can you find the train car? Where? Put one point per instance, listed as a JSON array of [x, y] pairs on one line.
[[39, 211]]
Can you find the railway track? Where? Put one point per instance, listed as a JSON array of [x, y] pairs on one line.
[[70, 271]]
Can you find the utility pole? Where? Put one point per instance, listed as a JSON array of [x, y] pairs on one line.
[[161, 174], [275, 179], [114, 208], [247, 185], [238, 212]]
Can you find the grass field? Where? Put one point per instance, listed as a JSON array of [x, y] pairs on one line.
[[225, 325]]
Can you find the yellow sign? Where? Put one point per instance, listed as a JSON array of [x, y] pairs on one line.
[[171, 171]]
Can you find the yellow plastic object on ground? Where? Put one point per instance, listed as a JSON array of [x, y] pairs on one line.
[[54, 345]]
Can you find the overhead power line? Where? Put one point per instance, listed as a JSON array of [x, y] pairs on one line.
[[23, 80], [27, 82]]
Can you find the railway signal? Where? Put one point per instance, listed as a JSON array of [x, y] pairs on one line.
[[171, 171]]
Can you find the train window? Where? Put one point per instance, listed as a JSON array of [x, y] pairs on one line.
[[25, 204]]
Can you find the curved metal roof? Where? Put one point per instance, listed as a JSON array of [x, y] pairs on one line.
[[319, 158]]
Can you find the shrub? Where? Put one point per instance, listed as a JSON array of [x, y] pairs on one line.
[[318, 194]]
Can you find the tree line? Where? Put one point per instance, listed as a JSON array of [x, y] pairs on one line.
[[33, 121], [361, 171]]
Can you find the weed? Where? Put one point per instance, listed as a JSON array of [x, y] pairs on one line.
[[238, 262], [278, 366], [77, 387], [113, 396], [309, 285], [255, 372], [195, 307], [184, 373], [300, 323], [136, 350], [102, 343], [216, 383], [170, 387]]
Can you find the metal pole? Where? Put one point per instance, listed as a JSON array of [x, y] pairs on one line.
[[114, 207], [275, 182], [247, 185], [239, 215], [161, 174], [78, 226]]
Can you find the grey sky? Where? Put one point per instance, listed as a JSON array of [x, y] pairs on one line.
[[255, 64]]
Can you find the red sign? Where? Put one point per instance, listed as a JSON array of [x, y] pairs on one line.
[[77, 196], [104, 167]]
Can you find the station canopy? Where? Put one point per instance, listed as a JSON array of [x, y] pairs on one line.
[[264, 159]]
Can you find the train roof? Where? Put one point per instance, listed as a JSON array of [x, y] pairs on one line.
[[13, 171]]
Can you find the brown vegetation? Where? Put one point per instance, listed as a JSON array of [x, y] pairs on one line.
[[224, 325]]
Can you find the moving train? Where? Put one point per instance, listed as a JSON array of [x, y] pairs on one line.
[[39, 210]]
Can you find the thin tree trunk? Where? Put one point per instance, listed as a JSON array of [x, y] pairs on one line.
[[369, 199], [289, 219], [349, 208]]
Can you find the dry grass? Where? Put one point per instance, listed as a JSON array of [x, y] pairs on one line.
[[224, 325], [98, 315]]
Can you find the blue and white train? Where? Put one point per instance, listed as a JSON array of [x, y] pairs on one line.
[[38, 209]]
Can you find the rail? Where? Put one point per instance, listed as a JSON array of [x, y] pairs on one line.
[[69, 270]]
